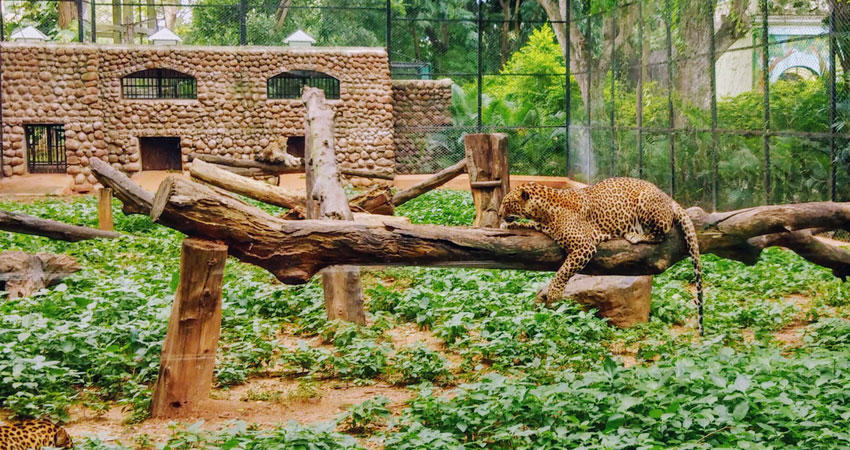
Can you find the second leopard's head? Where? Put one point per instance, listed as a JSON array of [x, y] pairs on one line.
[[526, 201]]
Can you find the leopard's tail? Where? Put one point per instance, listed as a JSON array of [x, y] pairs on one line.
[[684, 220]]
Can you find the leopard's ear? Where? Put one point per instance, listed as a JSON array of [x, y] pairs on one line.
[[524, 194]]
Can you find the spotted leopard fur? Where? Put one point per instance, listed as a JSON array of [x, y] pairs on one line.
[[579, 219], [33, 434]]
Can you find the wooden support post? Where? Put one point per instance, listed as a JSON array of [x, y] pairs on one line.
[[104, 209], [489, 177], [326, 200], [188, 354]]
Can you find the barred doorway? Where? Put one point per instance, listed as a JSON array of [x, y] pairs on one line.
[[45, 148]]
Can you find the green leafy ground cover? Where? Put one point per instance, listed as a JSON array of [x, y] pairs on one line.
[[508, 374]]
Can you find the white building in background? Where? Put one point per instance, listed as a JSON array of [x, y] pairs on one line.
[[799, 50]]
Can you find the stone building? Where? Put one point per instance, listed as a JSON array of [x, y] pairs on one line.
[[149, 107]]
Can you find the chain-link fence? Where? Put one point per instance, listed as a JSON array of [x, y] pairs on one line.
[[723, 104]]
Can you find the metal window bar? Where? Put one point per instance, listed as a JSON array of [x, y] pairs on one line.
[[45, 148], [159, 84], [288, 85]]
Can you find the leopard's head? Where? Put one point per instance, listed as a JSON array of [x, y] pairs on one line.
[[526, 201], [62, 439]]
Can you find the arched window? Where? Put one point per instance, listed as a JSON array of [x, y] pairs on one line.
[[289, 84], [159, 83]]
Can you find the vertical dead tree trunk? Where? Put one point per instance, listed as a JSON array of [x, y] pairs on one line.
[[188, 355], [104, 209], [489, 177], [326, 200]]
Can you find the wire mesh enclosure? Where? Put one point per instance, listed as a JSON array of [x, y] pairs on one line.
[[723, 104]]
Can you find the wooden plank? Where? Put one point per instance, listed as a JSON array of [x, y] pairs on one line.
[[188, 354]]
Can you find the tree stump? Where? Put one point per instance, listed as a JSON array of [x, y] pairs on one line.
[[326, 200], [489, 175], [188, 354], [22, 274]]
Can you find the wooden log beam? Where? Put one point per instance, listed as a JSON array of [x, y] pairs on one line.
[[438, 179], [188, 354], [254, 168], [135, 199], [489, 177], [264, 192], [26, 224], [295, 251]]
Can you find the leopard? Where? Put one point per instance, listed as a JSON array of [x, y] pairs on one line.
[[33, 434], [580, 219]]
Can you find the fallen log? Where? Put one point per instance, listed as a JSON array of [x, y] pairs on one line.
[[23, 274], [438, 179], [295, 251], [264, 192], [366, 173], [26, 224]]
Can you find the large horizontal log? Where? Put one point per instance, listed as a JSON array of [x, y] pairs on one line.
[[294, 251], [253, 168], [26, 224], [264, 192], [260, 167]]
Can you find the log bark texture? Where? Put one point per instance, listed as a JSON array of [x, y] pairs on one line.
[[26, 224], [135, 199], [188, 354], [438, 179], [294, 251], [326, 200], [22, 274], [258, 190], [489, 177]]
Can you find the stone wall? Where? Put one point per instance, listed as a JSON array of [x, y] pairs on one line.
[[422, 108], [79, 85]]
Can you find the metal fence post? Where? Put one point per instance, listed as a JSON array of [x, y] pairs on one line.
[[243, 26], [389, 38], [832, 111], [480, 66], [613, 169], [712, 57], [93, 21], [639, 99], [765, 68], [589, 73], [81, 30], [668, 17], [568, 86], [2, 27]]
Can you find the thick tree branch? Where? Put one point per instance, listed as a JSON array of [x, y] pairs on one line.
[[295, 251], [26, 224]]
